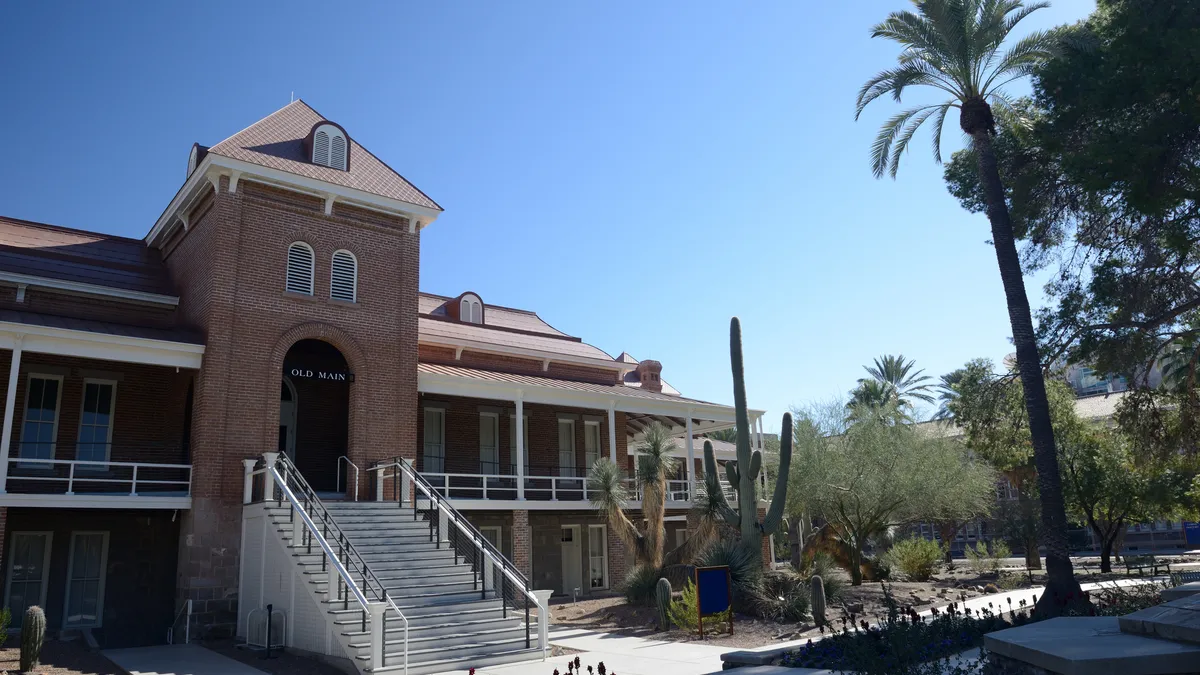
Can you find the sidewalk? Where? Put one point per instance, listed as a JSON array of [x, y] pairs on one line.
[[188, 659]]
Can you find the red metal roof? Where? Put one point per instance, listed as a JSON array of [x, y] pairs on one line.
[[105, 327], [551, 382]]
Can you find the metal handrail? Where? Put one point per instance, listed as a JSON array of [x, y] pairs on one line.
[[187, 625], [441, 506], [338, 484], [346, 548]]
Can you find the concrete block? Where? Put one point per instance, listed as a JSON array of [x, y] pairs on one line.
[[1092, 646], [1181, 592], [1178, 620]]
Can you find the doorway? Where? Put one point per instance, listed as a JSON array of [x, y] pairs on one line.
[[572, 560], [314, 411]]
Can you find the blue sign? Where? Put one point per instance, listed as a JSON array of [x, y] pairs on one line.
[[714, 591], [1191, 533]]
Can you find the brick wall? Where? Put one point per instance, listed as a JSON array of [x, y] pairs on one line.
[[49, 301], [230, 270]]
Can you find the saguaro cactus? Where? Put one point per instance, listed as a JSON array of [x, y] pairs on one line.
[[662, 597], [817, 599], [743, 473], [33, 634]]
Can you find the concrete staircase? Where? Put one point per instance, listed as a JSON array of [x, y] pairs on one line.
[[455, 619]]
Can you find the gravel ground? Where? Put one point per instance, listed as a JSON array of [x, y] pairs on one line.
[[61, 658]]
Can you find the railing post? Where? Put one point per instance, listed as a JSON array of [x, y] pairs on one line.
[[405, 487], [377, 610], [487, 569], [247, 480], [543, 607], [71, 479], [443, 523], [379, 478], [553, 489], [133, 488]]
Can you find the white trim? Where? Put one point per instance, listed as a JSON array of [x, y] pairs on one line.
[[99, 623], [220, 165], [85, 501], [88, 289], [534, 354], [453, 385], [604, 543], [112, 415], [45, 566], [30, 376], [103, 346]]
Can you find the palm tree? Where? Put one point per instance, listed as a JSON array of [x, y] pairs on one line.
[[955, 46], [898, 373]]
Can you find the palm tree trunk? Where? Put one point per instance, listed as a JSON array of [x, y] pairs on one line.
[[1062, 590]]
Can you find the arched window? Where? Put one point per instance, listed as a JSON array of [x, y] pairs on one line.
[[330, 147], [343, 284], [470, 309], [300, 264]]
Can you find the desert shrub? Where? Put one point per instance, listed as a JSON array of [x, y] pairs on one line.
[[683, 613], [982, 562], [745, 569], [916, 558], [904, 643], [782, 596], [827, 568], [1010, 581], [639, 585], [5, 620], [1122, 600]]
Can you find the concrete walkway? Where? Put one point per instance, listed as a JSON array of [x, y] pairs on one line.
[[621, 654], [177, 660]]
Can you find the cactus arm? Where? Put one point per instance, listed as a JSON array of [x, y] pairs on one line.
[[779, 498], [739, 392], [731, 472], [755, 465], [713, 485]]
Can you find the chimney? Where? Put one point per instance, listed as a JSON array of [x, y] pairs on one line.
[[650, 374]]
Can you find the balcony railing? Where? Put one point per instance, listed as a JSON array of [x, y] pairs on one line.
[[39, 474]]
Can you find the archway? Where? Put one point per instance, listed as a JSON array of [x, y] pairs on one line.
[[314, 410]]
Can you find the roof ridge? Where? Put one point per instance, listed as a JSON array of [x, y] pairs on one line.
[[64, 228], [255, 122]]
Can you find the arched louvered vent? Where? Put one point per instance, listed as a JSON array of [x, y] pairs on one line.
[[343, 284], [330, 147], [337, 153], [470, 309], [300, 268]]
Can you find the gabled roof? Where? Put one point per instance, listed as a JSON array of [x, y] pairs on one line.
[[277, 141], [495, 316], [632, 379], [78, 257]]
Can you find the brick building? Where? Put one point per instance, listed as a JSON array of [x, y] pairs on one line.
[[274, 307]]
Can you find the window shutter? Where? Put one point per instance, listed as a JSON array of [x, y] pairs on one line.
[[300, 269], [337, 153], [321, 148], [344, 283]]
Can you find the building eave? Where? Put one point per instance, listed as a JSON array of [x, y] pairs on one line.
[[87, 289], [532, 354], [86, 344]]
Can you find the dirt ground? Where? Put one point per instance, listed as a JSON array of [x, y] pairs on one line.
[[612, 614], [60, 658]]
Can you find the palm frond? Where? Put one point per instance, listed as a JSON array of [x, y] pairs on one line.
[[938, 123], [894, 127], [1022, 58]]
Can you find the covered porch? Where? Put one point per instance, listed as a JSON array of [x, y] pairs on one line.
[[96, 415], [489, 438]]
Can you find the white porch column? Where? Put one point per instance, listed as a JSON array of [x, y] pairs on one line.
[[612, 431], [520, 431], [10, 404], [691, 458]]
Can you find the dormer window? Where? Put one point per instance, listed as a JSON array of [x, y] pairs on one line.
[[470, 309], [330, 146]]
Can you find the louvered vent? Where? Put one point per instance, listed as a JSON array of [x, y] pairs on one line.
[[321, 148], [344, 282], [337, 153], [300, 268]]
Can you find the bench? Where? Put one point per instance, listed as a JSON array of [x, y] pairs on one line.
[[1181, 578], [1145, 562]]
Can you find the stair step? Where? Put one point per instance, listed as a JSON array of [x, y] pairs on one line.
[[474, 648], [394, 641], [459, 662], [395, 628], [432, 591]]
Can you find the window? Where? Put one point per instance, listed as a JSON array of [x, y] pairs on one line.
[[435, 440], [470, 309], [493, 534], [330, 147], [300, 267], [489, 443], [28, 571], [512, 442], [40, 428], [343, 284], [591, 443], [566, 447], [84, 606], [597, 556], [96, 421]]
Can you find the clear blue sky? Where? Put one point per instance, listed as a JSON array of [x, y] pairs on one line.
[[636, 173]]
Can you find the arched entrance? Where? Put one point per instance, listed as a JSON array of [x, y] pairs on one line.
[[314, 410]]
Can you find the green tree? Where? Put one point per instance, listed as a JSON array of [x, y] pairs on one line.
[[892, 381], [955, 46], [863, 480]]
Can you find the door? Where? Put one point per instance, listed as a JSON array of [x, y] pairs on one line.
[[84, 606], [287, 419], [435, 443], [489, 444], [566, 448], [572, 560], [591, 443], [28, 572]]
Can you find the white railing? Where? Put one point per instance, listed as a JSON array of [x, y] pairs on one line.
[[537, 488], [46, 476], [276, 488], [410, 486], [350, 465]]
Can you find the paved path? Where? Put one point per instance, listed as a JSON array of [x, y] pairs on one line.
[[621, 654], [177, 660]]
